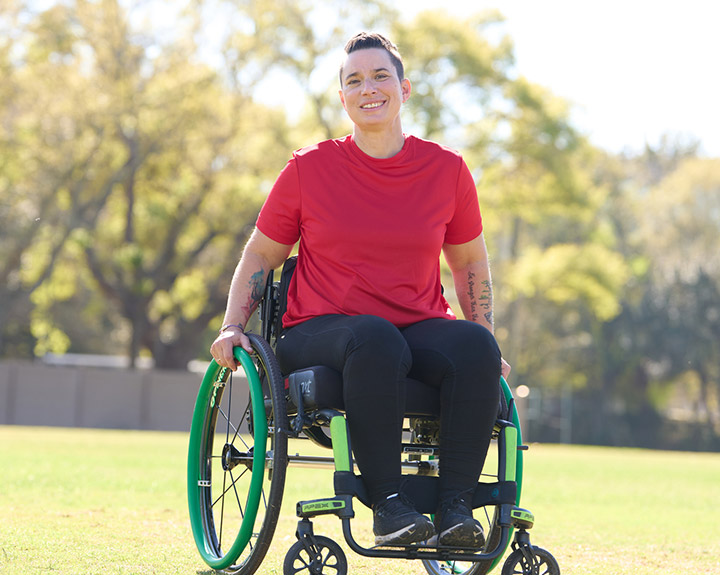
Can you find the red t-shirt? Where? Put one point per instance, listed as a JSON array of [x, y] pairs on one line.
[[371, 230]]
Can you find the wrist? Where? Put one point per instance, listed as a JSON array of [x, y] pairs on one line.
[[228, 326]]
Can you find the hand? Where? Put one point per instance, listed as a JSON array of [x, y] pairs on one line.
[[505, 368], [222, 348]]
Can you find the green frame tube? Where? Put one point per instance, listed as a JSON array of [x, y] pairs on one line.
[[340, 443], [198, 435], [505, 388], [519, 454]]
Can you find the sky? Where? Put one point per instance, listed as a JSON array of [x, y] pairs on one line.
[[632, 70]]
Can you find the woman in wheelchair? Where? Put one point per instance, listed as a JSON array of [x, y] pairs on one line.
[[372, 213]]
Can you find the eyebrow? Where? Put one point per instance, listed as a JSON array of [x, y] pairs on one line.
[[358, 73]]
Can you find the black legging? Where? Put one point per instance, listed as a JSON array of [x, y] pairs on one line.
[[460, 357]]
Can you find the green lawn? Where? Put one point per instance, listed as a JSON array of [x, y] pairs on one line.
[[113, 502]]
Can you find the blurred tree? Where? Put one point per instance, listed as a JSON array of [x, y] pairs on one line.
[[667, 325], [680, 230], [558, 273], [151, 178], [55, 174], [458, 72], [133, 160]]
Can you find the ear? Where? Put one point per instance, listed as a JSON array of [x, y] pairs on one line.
[[342, 98], [406, 88]]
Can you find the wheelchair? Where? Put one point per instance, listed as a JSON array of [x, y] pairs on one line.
[[238, 458]]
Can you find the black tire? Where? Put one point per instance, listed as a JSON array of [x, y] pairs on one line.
[[221, 488], [543, 563], [327, 558]]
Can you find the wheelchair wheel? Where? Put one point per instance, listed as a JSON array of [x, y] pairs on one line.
[[322, 557], [488, 517], [237, 460], [539, 562]]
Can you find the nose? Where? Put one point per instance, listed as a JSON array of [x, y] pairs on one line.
[[368, 86]]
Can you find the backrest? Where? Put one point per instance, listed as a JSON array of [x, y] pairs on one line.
[[286, 275], [274, 303]]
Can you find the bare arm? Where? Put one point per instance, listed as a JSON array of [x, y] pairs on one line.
[[471, 276], [261, 254], [470, 268]]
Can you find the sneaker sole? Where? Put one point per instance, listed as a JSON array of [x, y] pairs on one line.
[[468, 534], [414, 533]]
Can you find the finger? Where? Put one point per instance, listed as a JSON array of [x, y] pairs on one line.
[[222, 352], [245, 343]]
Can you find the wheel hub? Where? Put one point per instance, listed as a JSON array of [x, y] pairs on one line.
[[232, 457]]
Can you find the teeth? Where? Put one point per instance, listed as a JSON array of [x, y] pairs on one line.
[[374, 105]]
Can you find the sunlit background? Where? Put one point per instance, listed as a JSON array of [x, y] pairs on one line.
[[138, 139]]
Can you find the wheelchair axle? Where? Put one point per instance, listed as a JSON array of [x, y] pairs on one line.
[[232, 457]]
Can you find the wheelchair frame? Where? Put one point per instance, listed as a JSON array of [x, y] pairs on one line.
[[220, 468]]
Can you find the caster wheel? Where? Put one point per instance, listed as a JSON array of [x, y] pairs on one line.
[[539, 562], [327, 558]]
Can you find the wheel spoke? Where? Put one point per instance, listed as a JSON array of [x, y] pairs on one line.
[[237, 496], [243, 417], [226, 489], [222, 512], [229, 425]]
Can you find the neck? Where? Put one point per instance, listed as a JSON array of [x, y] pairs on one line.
[[379, 144]]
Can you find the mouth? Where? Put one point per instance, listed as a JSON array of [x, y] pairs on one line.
[[371, 105]]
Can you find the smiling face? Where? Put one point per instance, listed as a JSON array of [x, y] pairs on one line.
[[372, 94]]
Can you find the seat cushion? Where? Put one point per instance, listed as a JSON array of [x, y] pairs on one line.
[[321, 386]]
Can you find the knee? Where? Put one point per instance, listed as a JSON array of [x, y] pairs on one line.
[[375, 338], [480, 346]]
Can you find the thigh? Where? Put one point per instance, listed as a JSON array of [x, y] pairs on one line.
[[449, 349], [334, 340]]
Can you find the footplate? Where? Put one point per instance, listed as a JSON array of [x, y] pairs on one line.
[[340, 506]]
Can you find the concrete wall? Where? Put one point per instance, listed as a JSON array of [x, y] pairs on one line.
[[37, 394]]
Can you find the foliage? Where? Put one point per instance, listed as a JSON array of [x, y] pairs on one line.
[[137, 142], [144, 172]]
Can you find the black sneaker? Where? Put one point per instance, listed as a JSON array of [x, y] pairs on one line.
[[395, 522], [456, 526]]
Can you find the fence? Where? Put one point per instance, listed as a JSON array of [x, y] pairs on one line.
[[77, 396]]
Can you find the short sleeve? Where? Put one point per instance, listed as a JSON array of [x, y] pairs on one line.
[[279, 217], [466, 223]]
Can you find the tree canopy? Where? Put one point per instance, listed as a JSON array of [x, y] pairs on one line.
[[137, 144]]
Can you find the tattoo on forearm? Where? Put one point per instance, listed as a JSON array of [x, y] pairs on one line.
[[257, 285], [486, 296], [471, 295], [480, 303], [257, 289]]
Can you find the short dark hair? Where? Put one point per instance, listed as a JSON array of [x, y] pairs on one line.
[[365, 40]]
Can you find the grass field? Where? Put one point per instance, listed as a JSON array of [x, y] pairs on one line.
[[76, 502]]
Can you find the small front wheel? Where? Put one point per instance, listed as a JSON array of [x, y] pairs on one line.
[[321, 557], [530, 560]]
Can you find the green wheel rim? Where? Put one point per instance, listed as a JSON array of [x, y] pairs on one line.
[[518, 463], [215, 376]]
